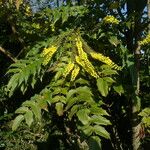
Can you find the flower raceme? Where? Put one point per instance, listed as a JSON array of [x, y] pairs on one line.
[[145, 41], [68, 69], [83, 61], [48, 53], [105, 60], [110, 20], [75, 72]]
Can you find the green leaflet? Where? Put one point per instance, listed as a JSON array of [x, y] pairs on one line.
[[99, 120], [87, 129], [98, 110], [59, 108], [58, 98], [71, 102], [22, 110], [12, 84], [70, 94], [17, 122], [28, 117], [82, 81], [34, 107], [83, 116], [101, 131], [102, 86], [73, 111], [94, 143], [113, 40], [145, 112], [109, 72], [119, 89], [109, 79]]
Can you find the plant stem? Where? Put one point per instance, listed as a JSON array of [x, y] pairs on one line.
[[8, 54]]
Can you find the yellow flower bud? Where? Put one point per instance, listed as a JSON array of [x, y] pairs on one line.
[[75, 73], [68, 69], [110, 20], [145, 41]]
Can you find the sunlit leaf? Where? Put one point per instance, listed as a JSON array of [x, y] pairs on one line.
[[101, 131]]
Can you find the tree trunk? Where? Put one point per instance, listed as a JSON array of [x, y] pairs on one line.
[[136, 126]]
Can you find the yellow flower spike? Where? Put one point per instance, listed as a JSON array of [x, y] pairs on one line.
[[110, 20], [87, 66], [105, 60], [79, 46], [145, 41], [75, 73], [79, 61], [82, 59], [48, 53], [68, 69]]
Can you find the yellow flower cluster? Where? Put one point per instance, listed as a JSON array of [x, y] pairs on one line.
[[83, 61], [105, 60], [68, 69], [48, 53], [110, 20], [75, 73], [146, 40]]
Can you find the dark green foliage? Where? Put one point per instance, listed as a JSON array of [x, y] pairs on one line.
[[42, 106]]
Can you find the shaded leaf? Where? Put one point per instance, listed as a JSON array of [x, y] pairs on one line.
[[119, 89], [102, 87], [28, 117], [83, 116], [17, 122], [73, 111], [22, 110], [87, 129], [94, 143], [59, 108], [34, 107]]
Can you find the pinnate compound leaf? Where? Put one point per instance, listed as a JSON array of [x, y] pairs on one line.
[[102, 87], [17, 122]]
